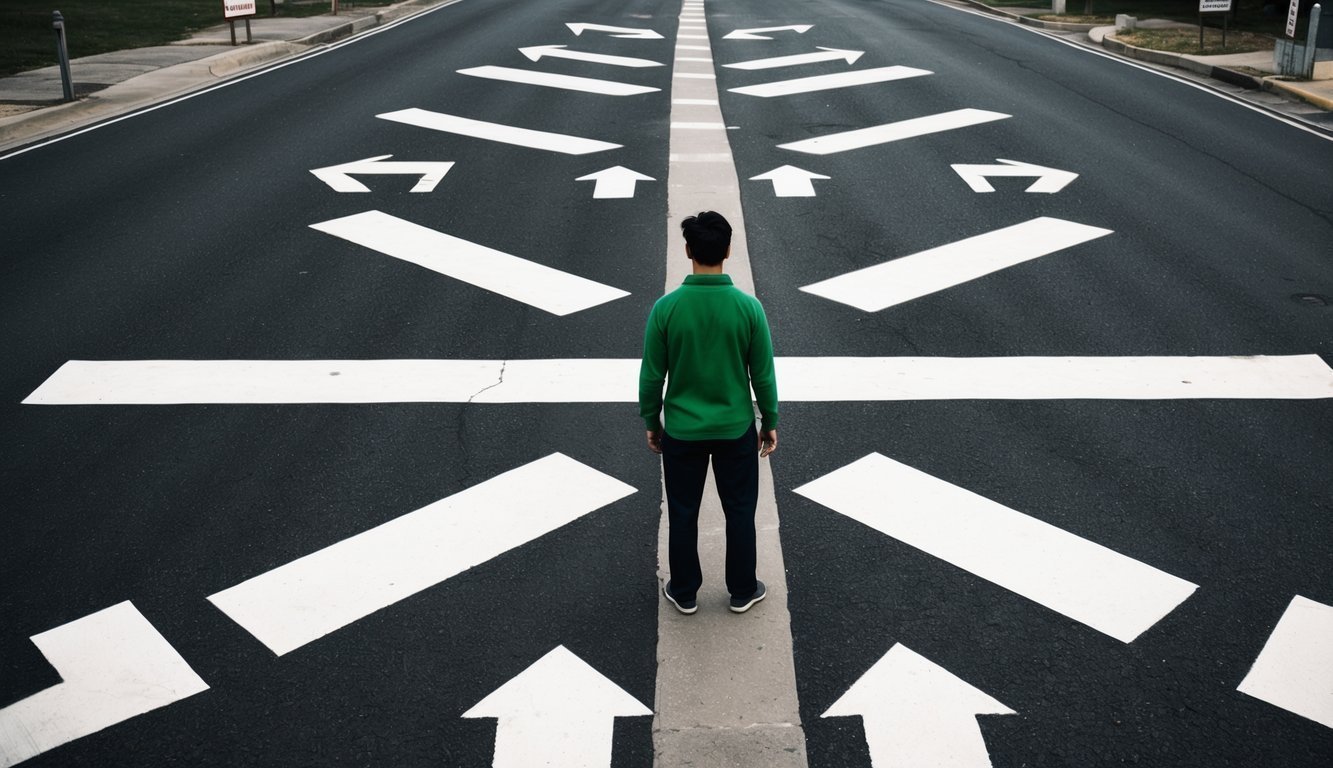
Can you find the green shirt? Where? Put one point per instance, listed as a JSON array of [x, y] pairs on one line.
[[714, 342]]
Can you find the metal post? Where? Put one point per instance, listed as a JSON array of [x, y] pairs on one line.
[[335, 7], [232, 23], [248, 39], [1311, 41], [58, 24]]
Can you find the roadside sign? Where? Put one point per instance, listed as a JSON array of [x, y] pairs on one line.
[[1214, 6], [1293, 11], [235, 9]]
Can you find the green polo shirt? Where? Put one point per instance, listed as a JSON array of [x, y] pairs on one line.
[[713, 341]]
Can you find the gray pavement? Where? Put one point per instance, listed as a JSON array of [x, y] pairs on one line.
[[115, 83]]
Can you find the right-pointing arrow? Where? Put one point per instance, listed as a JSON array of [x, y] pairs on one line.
[[1049, 180], [828, 54], [789, 181], [916, 713], [559, 712]]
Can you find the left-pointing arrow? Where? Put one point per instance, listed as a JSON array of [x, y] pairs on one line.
[[616, 182], [626, 32], [537, 52], [339, 177], [789, 181], [757, 32], [113, 666], [559, 712], [917, 713]]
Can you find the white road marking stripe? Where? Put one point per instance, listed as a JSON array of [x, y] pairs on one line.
[[546, 288], [702, 157], [693, 48], [113, 666], [552, 80], [1294, 670], [695, 102], [693, 37], [308, 598], [695, 58], [804, 379], [828, 82], [506, 134], [700, 126], [921, 274], [1105, 590], [694, 75], [883, 134]]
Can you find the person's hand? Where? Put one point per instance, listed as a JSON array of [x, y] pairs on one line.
[[655, 441], [768, 442]]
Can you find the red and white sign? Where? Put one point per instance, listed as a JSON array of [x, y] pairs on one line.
[[235, 9]]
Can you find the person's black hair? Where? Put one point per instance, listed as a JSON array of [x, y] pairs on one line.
[[709, 237]]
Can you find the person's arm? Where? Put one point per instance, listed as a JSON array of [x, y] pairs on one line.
[[652, 375], [764, 381]]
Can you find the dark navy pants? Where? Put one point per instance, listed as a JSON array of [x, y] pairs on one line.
[[736, 471]]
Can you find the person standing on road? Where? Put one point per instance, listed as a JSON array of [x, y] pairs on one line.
[[709, 343]]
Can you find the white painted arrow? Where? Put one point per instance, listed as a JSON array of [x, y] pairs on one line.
[[828, 82], [1049, 180], [625, 32], [537, 285], [789, 181], [616, 182], [559, 712], [312, 596], [920, 274], [1110, 592], [829, 54], [918, 714], [757, 32], [340, 176], [1294, 670], [553, 80], [505, 134], [538, 52], [113, 666]]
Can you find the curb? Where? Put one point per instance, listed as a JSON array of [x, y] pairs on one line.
[[1055, 26], [1272, 84], [137, 93], [1181, 62]]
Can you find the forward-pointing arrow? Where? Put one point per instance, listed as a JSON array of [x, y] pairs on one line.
[[917, 713], [113, 666], [559, 712], [828, 54], [789, 181], [757, 32], [617, 182], [340, 176], [537, 52], [1049, 180], [625, 32]]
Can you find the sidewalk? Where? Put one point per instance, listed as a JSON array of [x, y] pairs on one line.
[[111, 84], [1237, 69]]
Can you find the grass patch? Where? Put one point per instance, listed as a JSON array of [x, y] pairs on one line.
[[99, 26], [1187, 41], [1073, 18]]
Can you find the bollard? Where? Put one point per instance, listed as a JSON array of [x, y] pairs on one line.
[[58, 24]]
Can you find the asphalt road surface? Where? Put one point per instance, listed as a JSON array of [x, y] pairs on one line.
[[1197, 227]]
